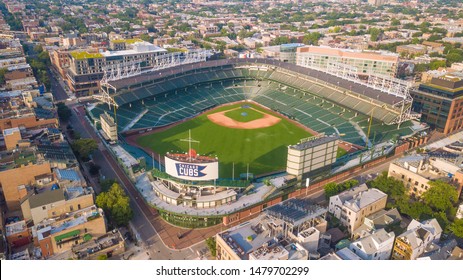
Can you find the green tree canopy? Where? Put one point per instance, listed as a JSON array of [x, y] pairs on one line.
[[436, 64], [333, 188], [210, 243], [391, 186], [457, 228], [84, 147], [64, 112], [330, 189], [375, 33], [116, 205], [3, 71], [440, 196], [106, 184]]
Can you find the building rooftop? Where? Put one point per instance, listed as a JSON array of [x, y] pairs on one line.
[[295, 211], [269, 251], [106, 241], [67, 174], [418, 232], [351, 193], [22, 255], [137, 48], [363, 199], [247, 237], [313, 142], [10, 131], [76, 191], [108, 119], [127, 41], [439, 251], [46, 197], [347, 254], [81, 55], [14, 228], [68, 221], [371, 243]]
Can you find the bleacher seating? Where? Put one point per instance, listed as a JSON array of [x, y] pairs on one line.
[[321, 108]]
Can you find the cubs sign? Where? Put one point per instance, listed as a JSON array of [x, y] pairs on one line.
[[192, 171]]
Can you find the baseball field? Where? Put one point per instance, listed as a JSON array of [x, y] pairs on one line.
[[241, 133]]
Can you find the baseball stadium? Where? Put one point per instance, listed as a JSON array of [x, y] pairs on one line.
[[241, 115]]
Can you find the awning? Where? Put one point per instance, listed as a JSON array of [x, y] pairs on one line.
[[69, 234]]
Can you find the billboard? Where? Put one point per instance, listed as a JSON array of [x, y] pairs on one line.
[[192, 171]]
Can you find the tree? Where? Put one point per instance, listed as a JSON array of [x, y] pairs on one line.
[[436, 64], [64, 112], [440, 196], [375, 33], [457, 228], [311, 38], [330, 189], [116, 205], [417, 210], [102, 257], [3, 71], [94, 169], [333, 188], [84, 147], [146, 37], [394, 188], [106, 184], [210, 243], [395, 22]]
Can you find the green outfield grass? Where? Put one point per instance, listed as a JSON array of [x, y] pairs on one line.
[[264, 149], [244, 114]]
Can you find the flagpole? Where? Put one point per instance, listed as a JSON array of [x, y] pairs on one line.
[[247, 173], [233, 171]]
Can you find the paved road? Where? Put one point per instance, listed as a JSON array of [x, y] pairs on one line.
[[56, 87]]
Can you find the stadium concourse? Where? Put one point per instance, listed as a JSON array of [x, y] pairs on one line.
[[319, 101]]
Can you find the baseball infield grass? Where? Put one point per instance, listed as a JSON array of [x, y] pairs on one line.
[[244, 114], [265, 149]]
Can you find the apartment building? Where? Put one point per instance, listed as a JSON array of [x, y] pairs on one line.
[[275, 235], [366, 62], [417, 171], [337, 201], [412, 243], [61, 234], [19, 178], [285, 52], [56, 202], [357, 205], [60, 60], [86, 67], [440, 102], [17, 234]]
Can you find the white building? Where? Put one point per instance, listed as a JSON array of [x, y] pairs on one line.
[[412, 243], [336, 201], [377, 246]]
